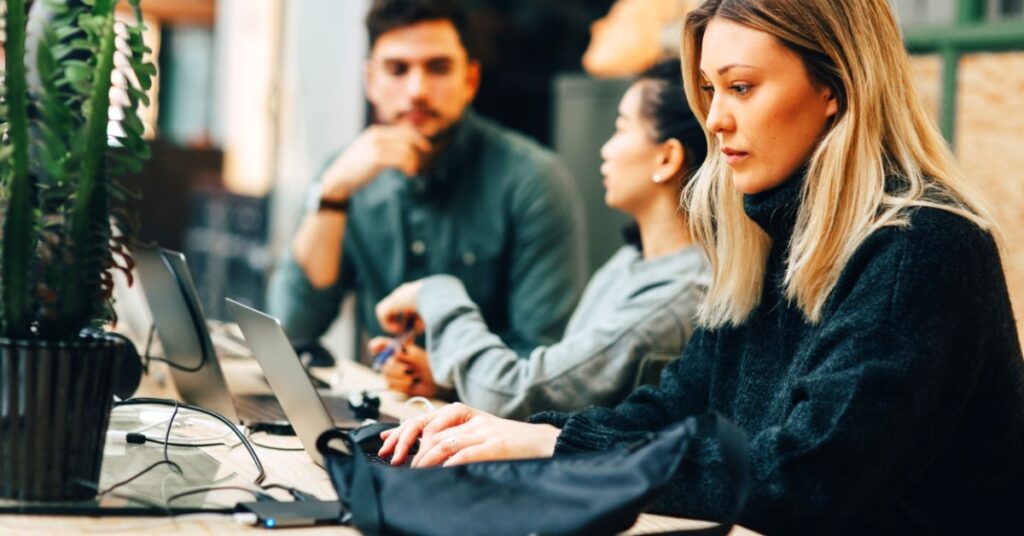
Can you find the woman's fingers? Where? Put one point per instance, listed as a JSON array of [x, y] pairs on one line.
[[395, 434], [398, 375], [397, 309], [406, 438], [392, 438], [432, 430], [394, 369], [482, 452], [446, 444], [447, 417], [391, 314], [378, 344]]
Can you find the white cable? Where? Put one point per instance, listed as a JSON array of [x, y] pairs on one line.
[[428, 405], [163, 417]]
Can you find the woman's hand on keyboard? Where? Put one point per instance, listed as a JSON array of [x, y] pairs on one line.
[[459, 434]]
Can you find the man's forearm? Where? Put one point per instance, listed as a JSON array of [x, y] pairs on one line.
[[317, 247]]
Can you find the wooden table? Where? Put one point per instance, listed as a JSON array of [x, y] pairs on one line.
[[294, 468]]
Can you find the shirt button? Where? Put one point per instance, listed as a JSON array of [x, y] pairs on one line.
[[418, 247], [468, 258]]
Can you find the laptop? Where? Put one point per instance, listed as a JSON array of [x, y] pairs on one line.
[[177, 313], [286, 375]]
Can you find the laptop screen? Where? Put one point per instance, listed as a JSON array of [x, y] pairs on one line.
[[178, 315], [285, 374]]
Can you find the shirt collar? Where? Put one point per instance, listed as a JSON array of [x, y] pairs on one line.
[[683, 260]]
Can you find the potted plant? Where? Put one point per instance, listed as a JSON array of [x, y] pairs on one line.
[[66, 220]]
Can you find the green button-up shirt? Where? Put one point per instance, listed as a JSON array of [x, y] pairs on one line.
[[496, 210]]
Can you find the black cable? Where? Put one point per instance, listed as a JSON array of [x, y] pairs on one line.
[[146, 439], [238, 433], [147, 358], [259, 495], [167, 440], [167, 460], [263, 445], [296, 493]]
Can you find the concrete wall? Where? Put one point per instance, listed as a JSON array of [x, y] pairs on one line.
[[322, 108], [989, 140], [321, 99]]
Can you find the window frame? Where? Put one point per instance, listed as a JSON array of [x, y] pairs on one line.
[[970, 32]]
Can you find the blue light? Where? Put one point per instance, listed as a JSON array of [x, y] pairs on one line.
[[270, 523]]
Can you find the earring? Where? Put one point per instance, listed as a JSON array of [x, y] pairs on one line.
[[657, 178]]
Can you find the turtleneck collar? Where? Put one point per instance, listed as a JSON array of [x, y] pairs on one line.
[[775, 210]]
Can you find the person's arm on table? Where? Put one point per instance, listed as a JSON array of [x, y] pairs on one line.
[[306, 288], [683, 392], [317, 246], [594, 365]]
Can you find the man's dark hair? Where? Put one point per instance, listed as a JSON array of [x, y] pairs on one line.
[[387, 15]]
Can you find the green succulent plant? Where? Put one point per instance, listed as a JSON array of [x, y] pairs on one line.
[[67, 214]]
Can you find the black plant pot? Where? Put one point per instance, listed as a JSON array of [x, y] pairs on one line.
[[55, 401]]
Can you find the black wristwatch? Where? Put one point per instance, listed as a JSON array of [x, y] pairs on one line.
[[332, 205]]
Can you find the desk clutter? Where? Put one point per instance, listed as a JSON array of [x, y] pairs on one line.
[[165, 457], [208, 440]]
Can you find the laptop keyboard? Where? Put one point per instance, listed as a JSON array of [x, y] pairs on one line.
[[265, 408], [373, 458]]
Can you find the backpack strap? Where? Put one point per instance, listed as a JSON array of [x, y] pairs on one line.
[[362, 502]]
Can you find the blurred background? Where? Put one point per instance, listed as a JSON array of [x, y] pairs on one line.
[[254, 95]]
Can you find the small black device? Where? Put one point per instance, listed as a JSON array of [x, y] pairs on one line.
[[273, 515], [365, 405], [281, 428]]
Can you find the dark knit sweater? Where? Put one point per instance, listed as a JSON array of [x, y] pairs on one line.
[[902, 410]]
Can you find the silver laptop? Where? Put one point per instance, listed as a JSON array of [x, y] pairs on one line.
[[180, 323], [286, 375], [196, 372]]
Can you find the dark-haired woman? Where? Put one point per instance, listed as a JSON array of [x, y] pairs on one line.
[[641, 303]]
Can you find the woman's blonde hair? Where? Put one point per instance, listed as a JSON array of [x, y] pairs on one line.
[[882, 129]]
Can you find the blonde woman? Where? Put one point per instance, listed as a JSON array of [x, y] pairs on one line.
[[858, 325]]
